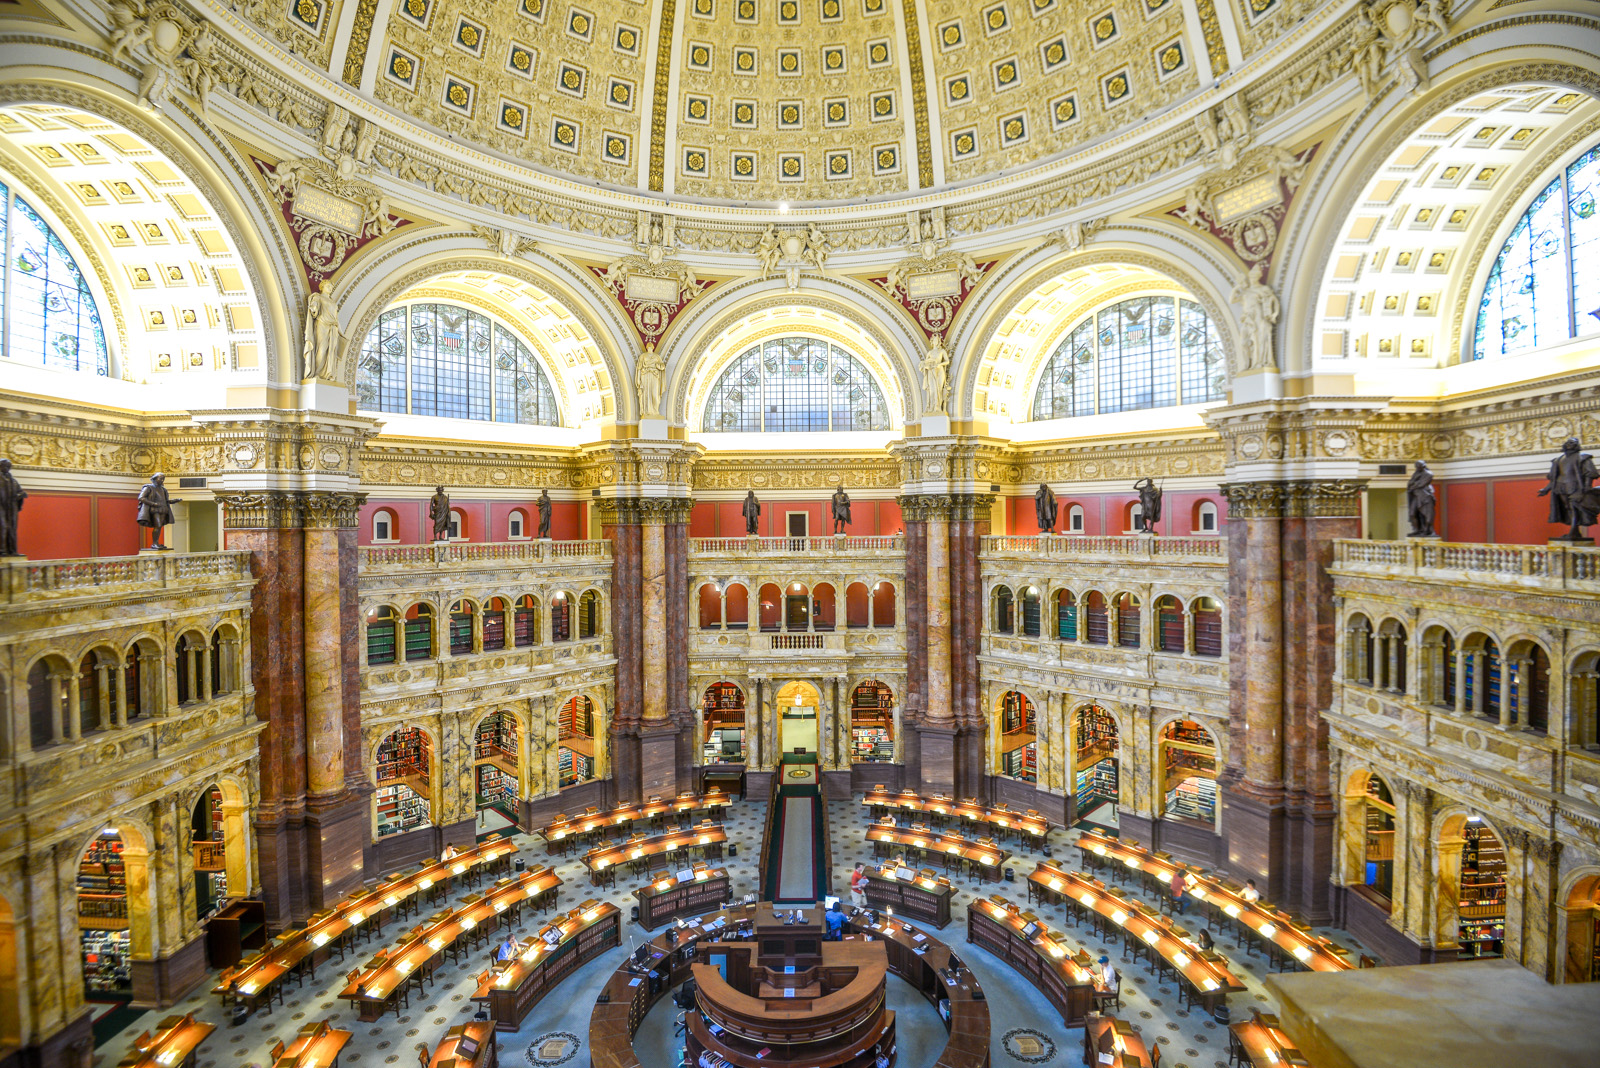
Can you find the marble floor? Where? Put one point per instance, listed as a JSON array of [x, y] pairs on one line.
[[556, 1031]]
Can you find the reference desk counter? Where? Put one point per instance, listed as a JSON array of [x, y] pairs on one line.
[[1043, 957], [1284, 939], [687, 892], [1203, 975], [914, 956], [558, 834], [910, 894], [563, 945], [174, 1043]]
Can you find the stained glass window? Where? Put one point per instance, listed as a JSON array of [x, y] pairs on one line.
[[1145, 352], [446, 360], [1544, 286], [50, 316], [796, 384]]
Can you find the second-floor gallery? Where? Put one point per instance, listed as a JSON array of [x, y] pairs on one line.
[[1169, 421]]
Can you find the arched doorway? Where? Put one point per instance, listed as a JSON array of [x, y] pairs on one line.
[[1016, 737], [722, 712], [1472, 871], [871, 724], [1096, 767], [114, 921], [219, 850], [10, 994], [1583, 932], [403, 800], [797, 705], [575, 755], [1189, 772], [496, 749], [1378, 835]]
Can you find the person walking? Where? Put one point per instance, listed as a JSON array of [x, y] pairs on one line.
[[858, 886]]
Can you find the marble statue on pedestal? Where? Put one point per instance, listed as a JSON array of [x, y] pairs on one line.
[[752, 513], [1573, 499], [1420, 501], [439, 512], [155, 509], [841, 510]]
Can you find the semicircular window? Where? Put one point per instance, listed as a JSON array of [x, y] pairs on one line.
[[1146, 352], [791, 384], [455, 362], [50, 316], [1544, 286]]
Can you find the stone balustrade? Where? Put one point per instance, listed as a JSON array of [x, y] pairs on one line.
[[25, 581], [1115, 547], [479, 554], [1546, 566], [833, 545]]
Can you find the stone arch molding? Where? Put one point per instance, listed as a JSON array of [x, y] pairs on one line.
[[1198, 271], [708, 319], [372, 291], [1333, 192], [195, 150]]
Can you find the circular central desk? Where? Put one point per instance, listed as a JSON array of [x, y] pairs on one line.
[[709, 944]]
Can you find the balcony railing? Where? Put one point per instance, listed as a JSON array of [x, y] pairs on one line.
[[796, 641], [1555, 566], [839, 543], [25, 580], [437, 554], [1129, 547]]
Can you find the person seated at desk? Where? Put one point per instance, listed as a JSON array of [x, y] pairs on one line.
[[836, 920], [450, 853], [1205, 940], [1110, 981], [508, 949], [1250, 893]]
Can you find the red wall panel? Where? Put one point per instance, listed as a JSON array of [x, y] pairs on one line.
[[1466, 512], [56, 526], [1521, 516], [117, 530]]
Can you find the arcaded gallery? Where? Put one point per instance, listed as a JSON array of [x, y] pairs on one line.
[[799, 533]]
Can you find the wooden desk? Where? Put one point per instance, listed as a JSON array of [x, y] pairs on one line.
[[255, 982], [1001, 817], [316, 1046], [236, 927], [1262, 1043], [918, 898], [1044, 958], [579, 936], [1263, 922], [379, 988], [707, 836], [628, 995], [479, 1031], [1112, 1043], [1205, 975], [986, 859], [667, 899], [174, 1043], [557, 833]]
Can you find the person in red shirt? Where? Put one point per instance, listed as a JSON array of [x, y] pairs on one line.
[[858, 886]]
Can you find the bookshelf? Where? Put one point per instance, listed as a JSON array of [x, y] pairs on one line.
[[1193, 799], [460, 633], [871, 745], [525, 624], [573, 767], [872, 724], [105, 962], [1189, 763], [419, 636], [722, 711], [494, 626], [381, 636], [1096, 785], [402, 774], [1021, 763], [400, 809], [1482, 923], [496, 788]]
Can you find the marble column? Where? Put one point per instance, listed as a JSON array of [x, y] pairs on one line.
[[1413, 833], [653, 603], [323, 666], [936, 606]]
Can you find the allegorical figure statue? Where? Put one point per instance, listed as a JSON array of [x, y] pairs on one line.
[[841, 510], [322, 334], [1150, 504], [1573, 499], [11, 497], [439, 512], [1420, 501], [544, 513], [935, 375], [650, 373], [1044, 507], [752, 513], [155, 509]]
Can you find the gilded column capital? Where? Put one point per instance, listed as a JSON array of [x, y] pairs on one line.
[[637, 511], [921, 507], [1254, 500], [266, 510], [328, 510], [1325, 498]]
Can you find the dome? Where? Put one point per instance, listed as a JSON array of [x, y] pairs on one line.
[[750, 101]]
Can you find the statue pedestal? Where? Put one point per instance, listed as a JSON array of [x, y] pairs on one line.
[[1423, 537], [935, 425], [13, 558], [156, 549], [653, 429], [1579, 542], [319, 395]]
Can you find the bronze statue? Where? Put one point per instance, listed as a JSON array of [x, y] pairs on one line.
[[1045, 508], [1574, 500], [544, 513], [752, 513], [439, 512], [841, 510], [1150, 500], [1420, 501], [11, 497], [155, 509]]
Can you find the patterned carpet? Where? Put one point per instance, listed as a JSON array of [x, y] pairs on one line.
[[1027, 1029]]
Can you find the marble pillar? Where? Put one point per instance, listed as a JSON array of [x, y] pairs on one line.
[[324, 666], [653, 606], [936, 607]]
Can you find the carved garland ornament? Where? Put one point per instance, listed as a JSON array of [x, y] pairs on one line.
[[330, 215]]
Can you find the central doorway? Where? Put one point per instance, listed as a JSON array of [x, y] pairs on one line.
[[797, 705]]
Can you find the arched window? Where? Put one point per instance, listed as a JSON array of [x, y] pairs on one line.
[[517, 524], [458, 526], [795, 384], [1544, 286], [1358, 650], [1003, 610], [461, 628], [384, 527], [494, 624], [1207, 627], [1145, 352], [1066, 616], [1127, 620], [589, 614], [1205, 518], [419, 632], [1075, 519], [1029, 598], [1169, 624], [50, 315], [381, 635], [443, 359]]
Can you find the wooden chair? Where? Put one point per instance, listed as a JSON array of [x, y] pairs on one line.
[[277, 1051], [424, 1055]]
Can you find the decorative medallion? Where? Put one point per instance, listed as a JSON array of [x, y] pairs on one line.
[[1028, 1046], [553, 1048], [329, 215]]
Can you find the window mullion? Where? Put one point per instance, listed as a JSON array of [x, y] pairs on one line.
[[405, 323], [1566, 232]]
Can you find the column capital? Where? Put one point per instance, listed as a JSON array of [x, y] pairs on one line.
[[1254, 500], [327, 510], [1325, 498], [643, 511], [921, 507], [289, 509]]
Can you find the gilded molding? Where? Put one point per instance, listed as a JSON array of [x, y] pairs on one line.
[[1211, 30], [1255, 500], [919, 93], [643, 511], [273, 510], [327, 510], [355, 57], [1324, 498], [661, 99], [953, 507]]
